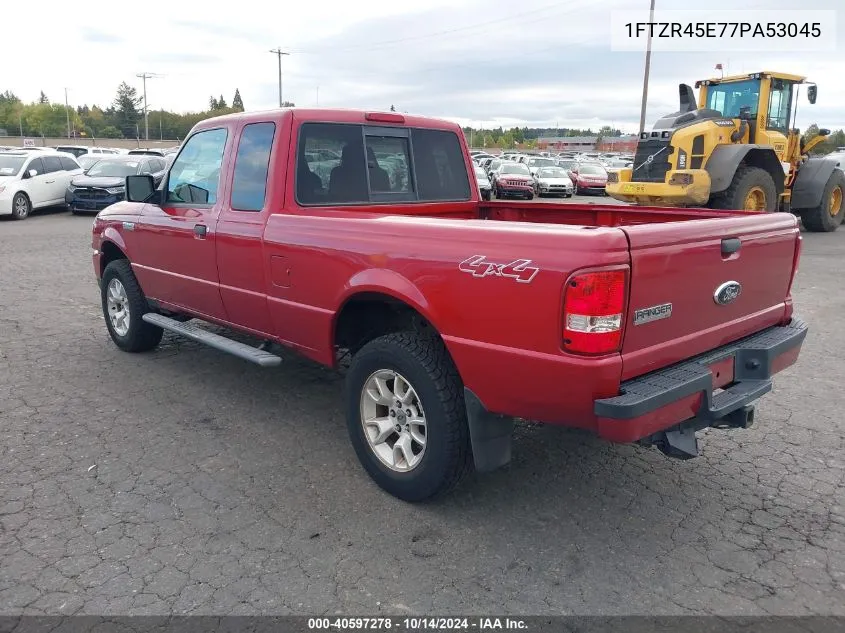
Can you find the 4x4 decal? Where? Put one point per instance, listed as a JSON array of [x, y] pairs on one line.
[[519, 269]]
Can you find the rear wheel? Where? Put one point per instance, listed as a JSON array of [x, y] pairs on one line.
[[831, 210], [752, 189], [406, 415]]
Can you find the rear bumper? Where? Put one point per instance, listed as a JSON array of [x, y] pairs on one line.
[[665, 398]]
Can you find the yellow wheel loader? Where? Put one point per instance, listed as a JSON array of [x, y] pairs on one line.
[[736, 149]]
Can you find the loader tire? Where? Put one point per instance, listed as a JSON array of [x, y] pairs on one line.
[[827, 217], [752, 189]]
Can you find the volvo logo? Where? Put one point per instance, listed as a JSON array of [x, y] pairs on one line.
[[727, 292]]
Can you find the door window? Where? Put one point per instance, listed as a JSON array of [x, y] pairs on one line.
[[251, 166], [37, 165], [195, 175], [779, 101]]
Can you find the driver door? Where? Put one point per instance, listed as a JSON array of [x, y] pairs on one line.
[[177, 240]]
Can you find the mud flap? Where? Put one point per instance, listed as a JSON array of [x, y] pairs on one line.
[[490, 435]]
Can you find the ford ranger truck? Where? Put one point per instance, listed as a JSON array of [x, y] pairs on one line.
[[358, 239]]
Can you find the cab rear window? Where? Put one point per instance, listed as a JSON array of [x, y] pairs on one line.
[[339, 164]]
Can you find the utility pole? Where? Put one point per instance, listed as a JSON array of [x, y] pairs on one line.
[[20, 121], [144, 77], [647, 69], [67, 114], [279, 52]]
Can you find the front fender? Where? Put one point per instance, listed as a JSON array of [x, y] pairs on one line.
[[725, 160], [810, 182]]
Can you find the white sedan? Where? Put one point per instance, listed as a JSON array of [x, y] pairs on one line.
[[31, 180]]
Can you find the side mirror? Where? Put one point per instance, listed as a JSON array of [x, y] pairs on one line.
[[30, 173], [139, 188], [812, 92]]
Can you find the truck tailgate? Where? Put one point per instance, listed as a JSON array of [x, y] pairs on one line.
[[676, 271]]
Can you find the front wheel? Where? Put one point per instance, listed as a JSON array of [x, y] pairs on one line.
[[406, 416], [828, 215], [752, 189], [21, 206], [123, 306]]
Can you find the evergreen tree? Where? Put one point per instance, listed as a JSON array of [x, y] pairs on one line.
[[237, 102], [221, 103]]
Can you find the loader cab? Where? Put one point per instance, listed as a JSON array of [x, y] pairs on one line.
[[764, 100]]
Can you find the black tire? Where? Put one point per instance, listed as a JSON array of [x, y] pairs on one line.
[[819, 219], [426, 364], [141, 336], [530, 196], [486, 195], [745, 179], [21, 206]]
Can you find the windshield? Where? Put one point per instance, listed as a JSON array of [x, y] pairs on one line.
[[516, 168], [592, 170], [566, 164], [113, 168], [552, 172], [730, 98], [10, 165], [542, 162]]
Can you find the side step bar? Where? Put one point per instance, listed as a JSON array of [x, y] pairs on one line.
[[191, 331]]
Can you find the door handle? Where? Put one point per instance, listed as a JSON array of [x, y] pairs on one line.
[[200, 230], [49, 182]]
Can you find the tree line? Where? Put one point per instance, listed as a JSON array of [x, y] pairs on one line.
[[528, 136], [123, 118]]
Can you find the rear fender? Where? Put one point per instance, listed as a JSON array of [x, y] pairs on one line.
[[810, 183], [726, 159]]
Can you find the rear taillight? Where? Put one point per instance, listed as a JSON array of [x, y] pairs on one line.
[[593, 307]]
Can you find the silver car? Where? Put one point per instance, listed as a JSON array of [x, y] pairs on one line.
[[553, 181]]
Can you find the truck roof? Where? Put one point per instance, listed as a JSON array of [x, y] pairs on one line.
[[333, 115]]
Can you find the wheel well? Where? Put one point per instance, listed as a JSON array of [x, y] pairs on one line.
[[767, 160], [369, 315], [111, 253]]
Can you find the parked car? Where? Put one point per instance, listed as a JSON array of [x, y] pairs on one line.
[[455, 315], [146, 151], [484, 185], [553, 181], [33, 180], [513, 179], [104, 183], [87, 160], [566, 163], [492, 166], [81, 150], [589, 178], [536, 162], [616, 164]]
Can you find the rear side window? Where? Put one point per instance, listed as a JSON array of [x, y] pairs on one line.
[[252, 162], [68, 164], [439, 162], [51, 164]]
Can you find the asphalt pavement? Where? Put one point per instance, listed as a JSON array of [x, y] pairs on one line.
[[187, 481]]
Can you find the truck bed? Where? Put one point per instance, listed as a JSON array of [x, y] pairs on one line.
[[607, 215]]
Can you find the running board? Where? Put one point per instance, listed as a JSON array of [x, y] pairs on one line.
[[191, 331]]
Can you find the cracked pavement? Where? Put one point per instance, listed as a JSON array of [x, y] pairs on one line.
[[188, 481]]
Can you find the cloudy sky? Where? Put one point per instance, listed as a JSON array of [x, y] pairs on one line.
[[485, 62]]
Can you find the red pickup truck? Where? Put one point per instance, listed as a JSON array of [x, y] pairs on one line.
[[362, 235]]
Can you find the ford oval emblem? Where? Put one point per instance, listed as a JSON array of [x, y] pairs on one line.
[[727, 292]]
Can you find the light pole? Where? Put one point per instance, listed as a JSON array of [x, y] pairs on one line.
[[144, 77], [279, 52], [647, 69], [67, 114]]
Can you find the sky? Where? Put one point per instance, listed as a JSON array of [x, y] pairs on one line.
[[483, 63]]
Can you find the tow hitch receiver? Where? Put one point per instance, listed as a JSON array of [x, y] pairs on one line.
[[680, 441]]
